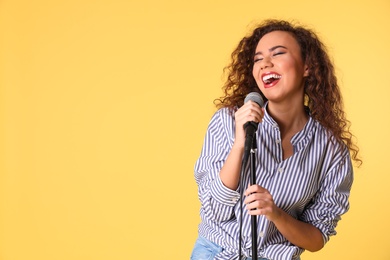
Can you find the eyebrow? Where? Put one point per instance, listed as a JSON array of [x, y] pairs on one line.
[[271, 49]]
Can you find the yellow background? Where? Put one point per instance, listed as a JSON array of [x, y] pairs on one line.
[[104, 106]]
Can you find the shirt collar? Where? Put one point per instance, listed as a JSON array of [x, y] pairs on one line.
[[299, 138]]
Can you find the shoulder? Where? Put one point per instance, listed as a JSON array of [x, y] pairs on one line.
[[326, 139], [222, 123], [223, 116]]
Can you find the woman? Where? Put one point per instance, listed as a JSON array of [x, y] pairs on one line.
[[304, 148]]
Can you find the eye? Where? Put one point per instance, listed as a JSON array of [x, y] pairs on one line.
[[279, 53], [257, 59]]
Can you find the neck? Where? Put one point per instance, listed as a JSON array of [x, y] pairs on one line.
[[291, 118]]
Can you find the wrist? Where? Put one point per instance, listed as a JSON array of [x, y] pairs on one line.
[[277, 216], [238, 146]]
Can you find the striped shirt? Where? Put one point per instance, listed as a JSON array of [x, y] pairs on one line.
[[313, 185]]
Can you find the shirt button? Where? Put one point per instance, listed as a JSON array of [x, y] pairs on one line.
[[261, 234], [280, 170], [277, 141], [235, 199]]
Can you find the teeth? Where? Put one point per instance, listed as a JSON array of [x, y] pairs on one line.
[[271, 76]]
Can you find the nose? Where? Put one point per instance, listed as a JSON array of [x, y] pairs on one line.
[[266, 63]]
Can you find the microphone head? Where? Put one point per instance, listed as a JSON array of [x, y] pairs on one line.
[[255, 97]]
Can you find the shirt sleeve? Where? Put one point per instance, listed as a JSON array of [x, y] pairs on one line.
[[331, 201], [217, 201]]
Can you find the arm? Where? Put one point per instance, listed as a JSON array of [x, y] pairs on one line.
[[332, 199], [230, 172], [217, 170], [259, 202], [319, 219], [299, 233], [217, 201]]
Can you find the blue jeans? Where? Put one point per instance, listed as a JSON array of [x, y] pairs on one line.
[[204, 249]]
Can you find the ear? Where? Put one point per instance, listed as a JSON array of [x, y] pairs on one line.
[[306, 72]]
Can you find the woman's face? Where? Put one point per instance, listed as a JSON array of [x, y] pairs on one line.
[[278, 67]]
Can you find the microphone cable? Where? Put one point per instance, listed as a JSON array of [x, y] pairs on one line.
[[241, 183]]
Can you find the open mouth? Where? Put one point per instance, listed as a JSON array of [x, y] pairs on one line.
[[270, 79]]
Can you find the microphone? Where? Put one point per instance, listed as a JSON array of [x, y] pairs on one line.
[[251, 127]]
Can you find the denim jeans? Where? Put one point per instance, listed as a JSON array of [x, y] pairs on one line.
[[204, 249]]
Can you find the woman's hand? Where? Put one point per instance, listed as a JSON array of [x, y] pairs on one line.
[[230, 172], [259, 201], [250, 111]]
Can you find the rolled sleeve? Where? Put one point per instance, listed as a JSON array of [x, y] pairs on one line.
[[332, 199], [217, 201], [224, 195]]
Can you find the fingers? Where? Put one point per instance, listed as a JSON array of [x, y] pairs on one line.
[[255, 189], [250, 111], [258, 200]]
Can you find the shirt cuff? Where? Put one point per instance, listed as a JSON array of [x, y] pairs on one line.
[[223, 194]]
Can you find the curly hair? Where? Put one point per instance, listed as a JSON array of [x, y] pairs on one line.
[[321, 90]]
